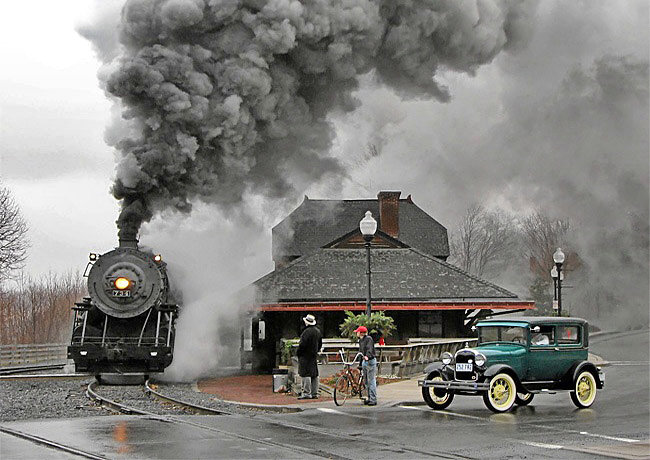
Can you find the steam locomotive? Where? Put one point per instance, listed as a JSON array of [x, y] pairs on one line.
[[125, 325]]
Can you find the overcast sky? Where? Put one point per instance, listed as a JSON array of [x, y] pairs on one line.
[[477, 147]]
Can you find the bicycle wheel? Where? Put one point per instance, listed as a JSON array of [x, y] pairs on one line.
[[342, 390]]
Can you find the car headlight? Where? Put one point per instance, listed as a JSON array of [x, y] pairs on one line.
[[480, 359], [446, 358]]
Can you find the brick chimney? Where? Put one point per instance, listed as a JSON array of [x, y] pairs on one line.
[[389, 212]]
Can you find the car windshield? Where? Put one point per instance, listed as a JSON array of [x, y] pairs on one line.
[[513, 334]]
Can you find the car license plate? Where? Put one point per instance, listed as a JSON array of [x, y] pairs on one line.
[[464, 367], [118, 293]]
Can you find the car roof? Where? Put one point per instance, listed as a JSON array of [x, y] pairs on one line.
[[527, 320]]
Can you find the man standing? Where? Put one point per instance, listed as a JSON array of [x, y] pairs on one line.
[[369, 363], [311, 341]]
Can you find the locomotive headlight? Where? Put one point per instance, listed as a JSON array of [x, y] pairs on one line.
[[122, 283], [446, 358], [92, 256], [480, 359], [157, 258]]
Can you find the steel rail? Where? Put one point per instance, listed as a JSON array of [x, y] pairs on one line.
[[30, 368], [44, 376], [113, 405], [386, 446], [51, 444], [194, 407]]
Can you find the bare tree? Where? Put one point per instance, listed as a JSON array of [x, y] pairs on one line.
[[13, 235], [39, 310], [542, 235], [484, 240]]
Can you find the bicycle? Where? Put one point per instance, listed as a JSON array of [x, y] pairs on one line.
[[350, 383]]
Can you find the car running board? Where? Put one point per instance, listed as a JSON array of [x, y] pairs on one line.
[[544, 391]]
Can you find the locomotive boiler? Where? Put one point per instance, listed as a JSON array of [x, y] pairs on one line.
[[126, 324]]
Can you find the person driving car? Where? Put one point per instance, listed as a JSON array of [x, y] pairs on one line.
[[541, 339]]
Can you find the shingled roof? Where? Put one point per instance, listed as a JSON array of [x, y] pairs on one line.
[[399, 274], [315, 223]]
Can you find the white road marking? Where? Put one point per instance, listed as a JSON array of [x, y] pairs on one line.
[[444, 412], [328, 410], [611, 438], [629, 363], [541, 444], [552, 428]]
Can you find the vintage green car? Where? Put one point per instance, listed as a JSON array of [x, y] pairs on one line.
[[515, 359]]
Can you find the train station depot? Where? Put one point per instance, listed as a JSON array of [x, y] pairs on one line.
[[320, 268]]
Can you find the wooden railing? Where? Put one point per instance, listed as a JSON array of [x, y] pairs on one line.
[[15, 355], [399, 360]]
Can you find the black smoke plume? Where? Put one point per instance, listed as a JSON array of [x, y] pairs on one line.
[[230, 97]]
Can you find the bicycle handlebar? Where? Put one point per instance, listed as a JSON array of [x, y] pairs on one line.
[[341, 352]]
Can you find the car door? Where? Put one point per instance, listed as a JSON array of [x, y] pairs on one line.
[[570, 347], [542, 355]]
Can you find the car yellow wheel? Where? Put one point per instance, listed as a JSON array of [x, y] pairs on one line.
[[501, 393], [584, 390], [436, 398]]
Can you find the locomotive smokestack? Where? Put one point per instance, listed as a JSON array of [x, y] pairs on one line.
[[129, 221], [128, 243]]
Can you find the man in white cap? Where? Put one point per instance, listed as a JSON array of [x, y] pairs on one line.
[[311, 341]]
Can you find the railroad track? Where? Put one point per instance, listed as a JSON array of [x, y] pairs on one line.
[[93, 393], [23, 372], [111, 404], [51, 444], [30, 368], [149, 388], [196, 408]]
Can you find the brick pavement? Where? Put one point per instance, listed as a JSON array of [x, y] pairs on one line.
[[255, 389]]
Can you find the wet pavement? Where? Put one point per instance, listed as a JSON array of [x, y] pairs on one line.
[[617, 426], [20, 449]]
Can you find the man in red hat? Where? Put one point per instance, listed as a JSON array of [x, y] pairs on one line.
[[369, 363]]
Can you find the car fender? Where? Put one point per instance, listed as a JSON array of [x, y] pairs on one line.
[[576, 369], [446, 371], [498, 369], [435, 366]]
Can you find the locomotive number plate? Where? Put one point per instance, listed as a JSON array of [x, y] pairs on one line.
[[464, 367], [118, 293]]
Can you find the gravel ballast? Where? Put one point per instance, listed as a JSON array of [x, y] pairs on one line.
[[39, 398], [25, 399]]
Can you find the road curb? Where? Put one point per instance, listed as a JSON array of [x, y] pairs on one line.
[[266, 407], [602, 333], [405, 403], [597, 360], [245, 405]]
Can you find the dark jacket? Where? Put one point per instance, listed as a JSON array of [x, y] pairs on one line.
[[367, 347], [310, 344]]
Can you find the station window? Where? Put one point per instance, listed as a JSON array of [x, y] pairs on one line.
[[568, 335], [429, 324]]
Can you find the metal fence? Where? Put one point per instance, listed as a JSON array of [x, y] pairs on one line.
[[15, 355]]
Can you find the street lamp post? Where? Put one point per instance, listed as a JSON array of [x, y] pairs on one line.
[[558, 258], [368, 227], [554, 276]]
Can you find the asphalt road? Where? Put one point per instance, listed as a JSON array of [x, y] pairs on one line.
[[617, 425], [551, 427]]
